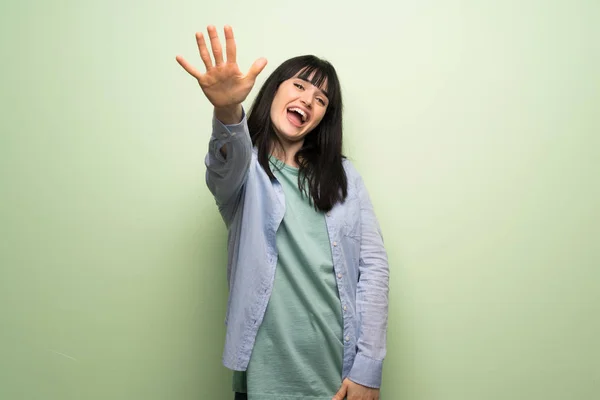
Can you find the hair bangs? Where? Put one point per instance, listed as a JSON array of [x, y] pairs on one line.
[[315, 75]]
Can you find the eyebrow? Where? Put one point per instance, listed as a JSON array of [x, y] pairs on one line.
[[322, 90]]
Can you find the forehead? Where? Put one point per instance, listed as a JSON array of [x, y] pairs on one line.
[[315, 77]]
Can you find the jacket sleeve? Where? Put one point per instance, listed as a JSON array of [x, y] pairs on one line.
[[226, 175], [371, 297]]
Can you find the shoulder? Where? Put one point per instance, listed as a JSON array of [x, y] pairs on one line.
[[353, 177], [350, 169], [352, 173]]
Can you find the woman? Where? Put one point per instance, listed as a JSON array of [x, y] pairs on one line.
[[307, 269]]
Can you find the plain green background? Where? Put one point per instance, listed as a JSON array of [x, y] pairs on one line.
[[475, 125]]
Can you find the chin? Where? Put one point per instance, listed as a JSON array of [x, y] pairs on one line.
[[293, 137], [291, 134]]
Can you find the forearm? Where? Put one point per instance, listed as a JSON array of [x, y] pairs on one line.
[[372, 305], [225, 174], [371, 297], [229, 115]]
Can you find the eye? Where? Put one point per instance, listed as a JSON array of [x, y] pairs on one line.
[[299, 86], [321, 101]]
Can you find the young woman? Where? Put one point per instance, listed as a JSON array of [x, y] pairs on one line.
[[307, 269]]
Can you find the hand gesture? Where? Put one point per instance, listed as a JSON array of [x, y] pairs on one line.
[[223, 83]]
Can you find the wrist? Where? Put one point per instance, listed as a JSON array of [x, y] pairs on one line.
[[229, 115]]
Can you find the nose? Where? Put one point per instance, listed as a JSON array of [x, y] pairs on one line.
[[307, 103], [307, 99]]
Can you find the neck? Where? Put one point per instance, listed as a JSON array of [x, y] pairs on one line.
[[286, 151]]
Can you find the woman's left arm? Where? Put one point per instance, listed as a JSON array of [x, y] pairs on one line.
[[371, 297]]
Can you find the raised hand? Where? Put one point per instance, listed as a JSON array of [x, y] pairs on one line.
[[225, 86]]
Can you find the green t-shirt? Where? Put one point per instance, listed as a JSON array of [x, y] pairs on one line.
[[298, 350]]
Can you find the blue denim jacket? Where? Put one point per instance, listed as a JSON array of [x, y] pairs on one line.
[[252, 207]]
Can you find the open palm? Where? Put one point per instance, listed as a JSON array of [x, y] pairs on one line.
[[223, 83]]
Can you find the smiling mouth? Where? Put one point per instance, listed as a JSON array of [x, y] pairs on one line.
[[296, 116]]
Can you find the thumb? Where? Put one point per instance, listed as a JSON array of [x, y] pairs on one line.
[[257, 68], [341, 394]]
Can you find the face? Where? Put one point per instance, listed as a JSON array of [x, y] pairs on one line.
[[297, 109]]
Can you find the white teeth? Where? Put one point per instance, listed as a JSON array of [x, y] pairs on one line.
[[299, 111]]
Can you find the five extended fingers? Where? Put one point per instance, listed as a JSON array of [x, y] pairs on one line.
[[217, 54]]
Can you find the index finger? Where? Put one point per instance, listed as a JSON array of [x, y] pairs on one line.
[[188, 67], [230, 45]]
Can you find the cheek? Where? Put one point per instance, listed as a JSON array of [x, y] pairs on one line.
[[272, 113], [276, 108], [318, 118], [278, 101]]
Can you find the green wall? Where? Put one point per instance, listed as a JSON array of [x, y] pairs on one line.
[[475, 125]]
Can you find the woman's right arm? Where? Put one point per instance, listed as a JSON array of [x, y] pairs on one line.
[[223, 84], [227, 162]]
